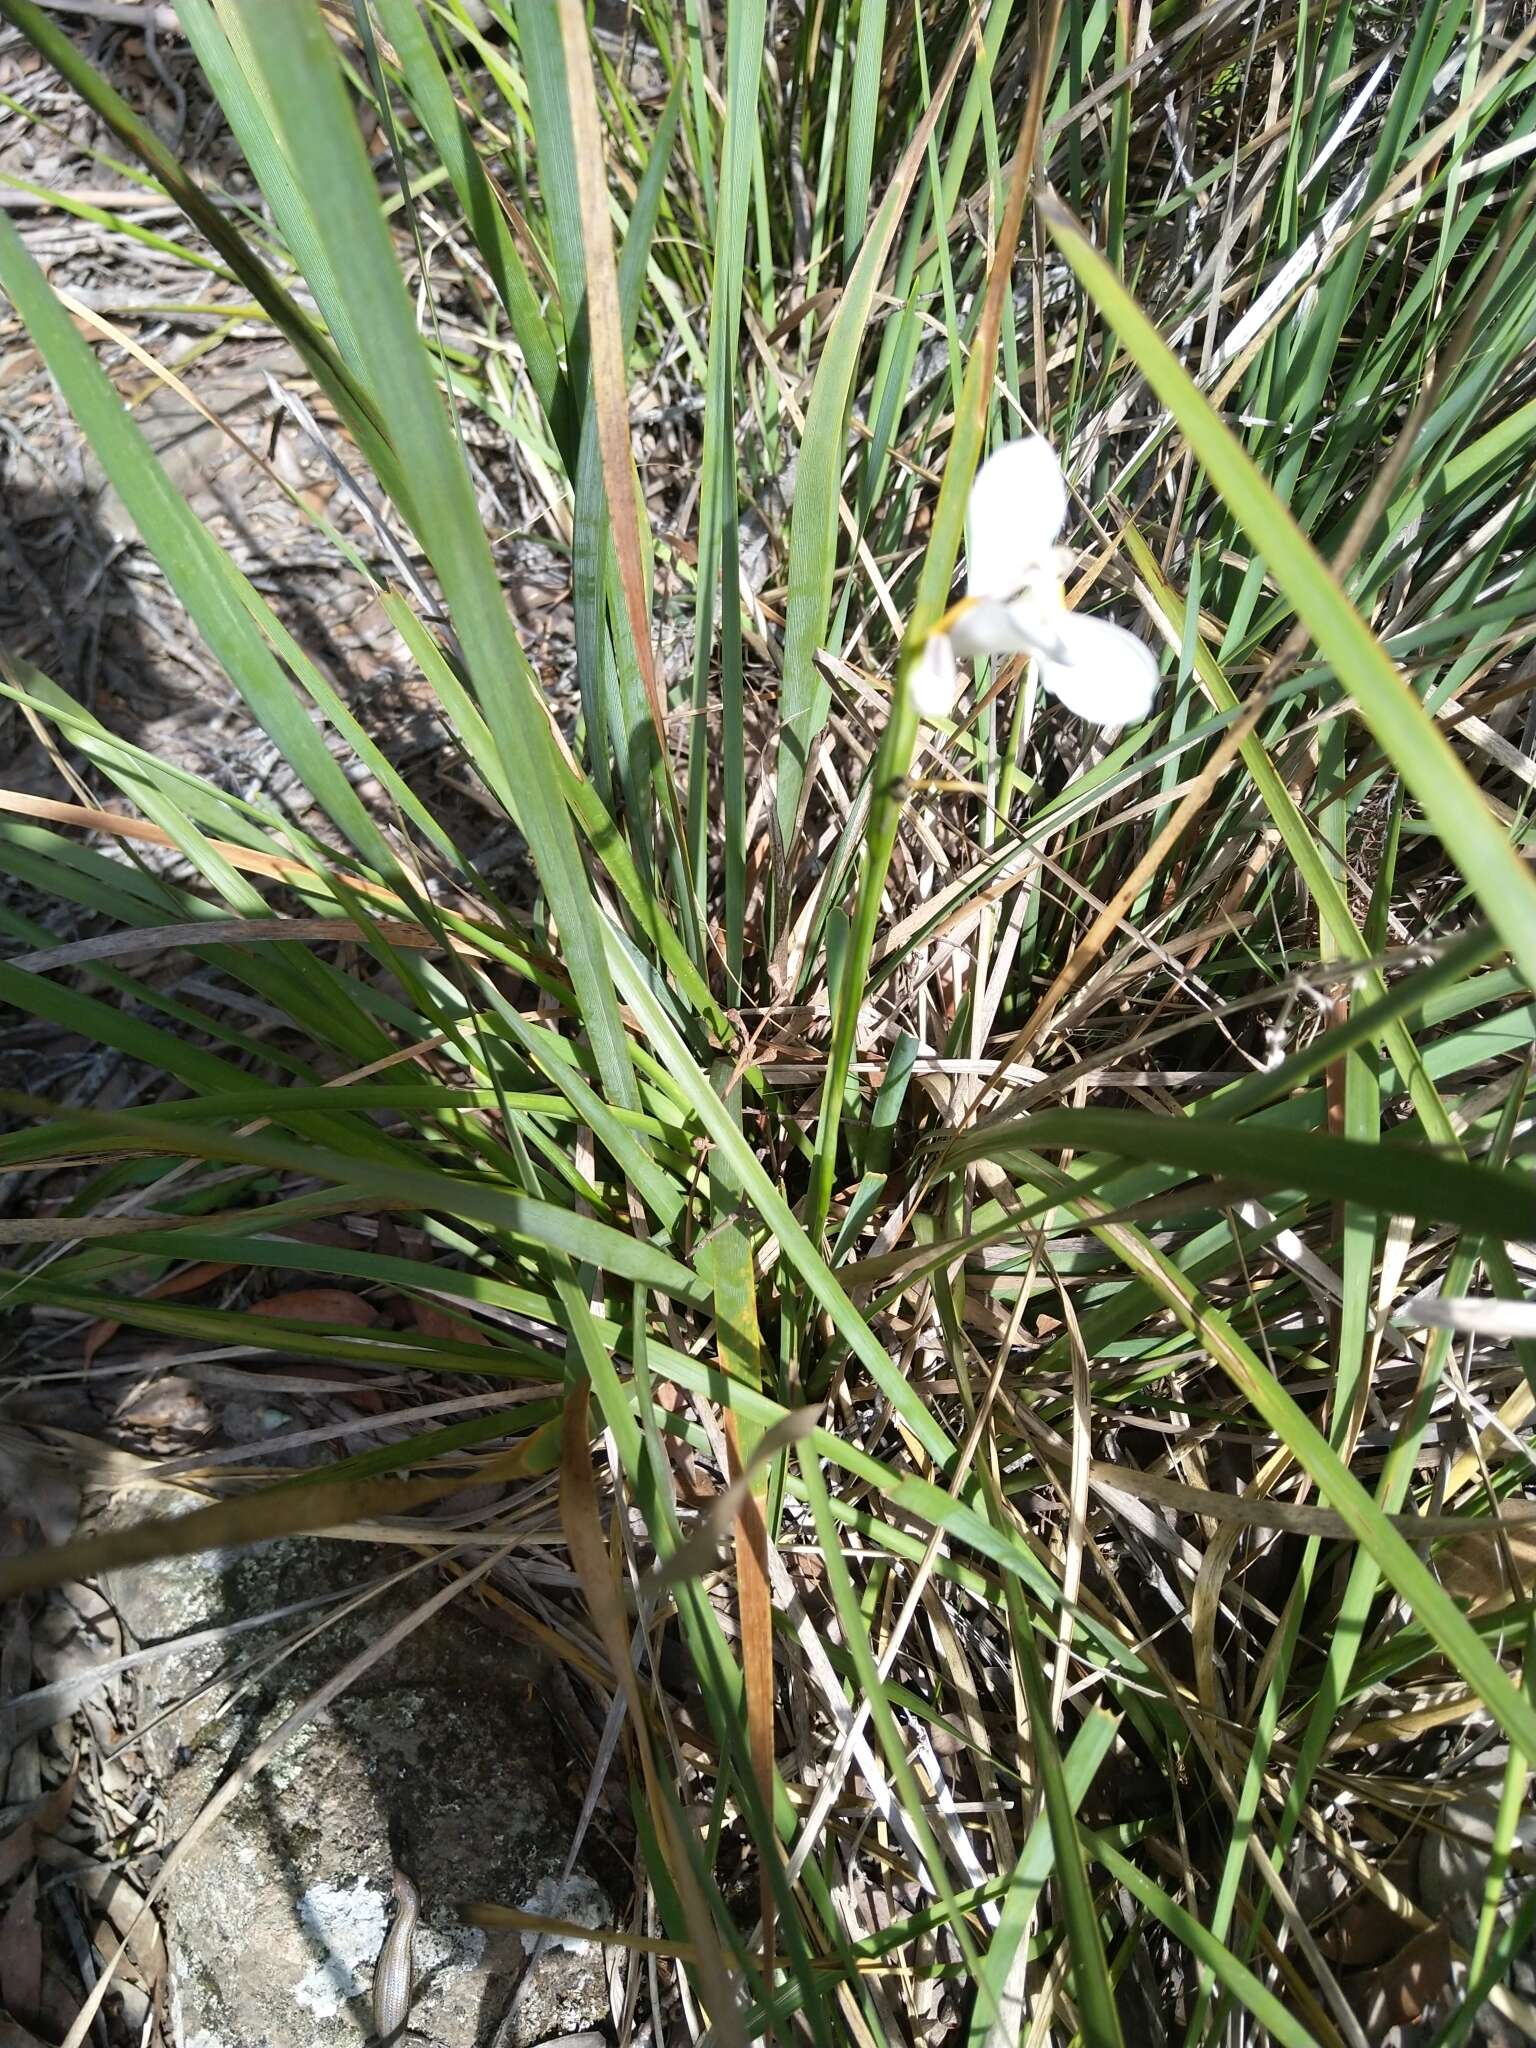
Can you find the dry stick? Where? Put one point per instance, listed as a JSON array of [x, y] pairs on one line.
[[199, 1462], [583, 1530], [146, 205], [486, 1913], [277, 867], [257, 1761], [1295, 1518], [610, 386], [30, 1712], [230, 931], [837, 1769], [118, 10], [755, 1601], [71, 1230], [1076, 1493], [288, 1510]]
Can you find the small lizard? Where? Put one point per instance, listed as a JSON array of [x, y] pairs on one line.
[[392, 1972]]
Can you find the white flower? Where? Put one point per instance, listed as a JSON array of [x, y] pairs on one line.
[[935, 681], [1014, 602]]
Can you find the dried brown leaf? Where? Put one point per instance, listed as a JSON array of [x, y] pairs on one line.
[[1403, 1990], [21, 1950], [185, 1282], [433, 1320], [319, 1305], [1476, 1567]]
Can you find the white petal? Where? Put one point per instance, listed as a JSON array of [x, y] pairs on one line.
[[1109, 677], [1031, 624], [987, 627], [935, 681], [1018, 507]]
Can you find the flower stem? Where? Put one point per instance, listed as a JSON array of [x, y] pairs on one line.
[[893, 762]]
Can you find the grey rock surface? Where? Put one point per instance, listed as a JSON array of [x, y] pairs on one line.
[[441, 1758], [1453, 1864]]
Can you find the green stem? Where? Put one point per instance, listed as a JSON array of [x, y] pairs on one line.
[[893, 762]]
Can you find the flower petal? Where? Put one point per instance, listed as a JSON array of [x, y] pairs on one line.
[[935, 681], [1109, 677], [1031, 624], [1018, 507], [986, 627]]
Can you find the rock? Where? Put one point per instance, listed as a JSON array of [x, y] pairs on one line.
[[1453, 1860], [557, 1991], [191, 448], [1452, 1866], [441, 1758]]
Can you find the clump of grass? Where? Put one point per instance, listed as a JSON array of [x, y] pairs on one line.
[[1066, 1189]]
